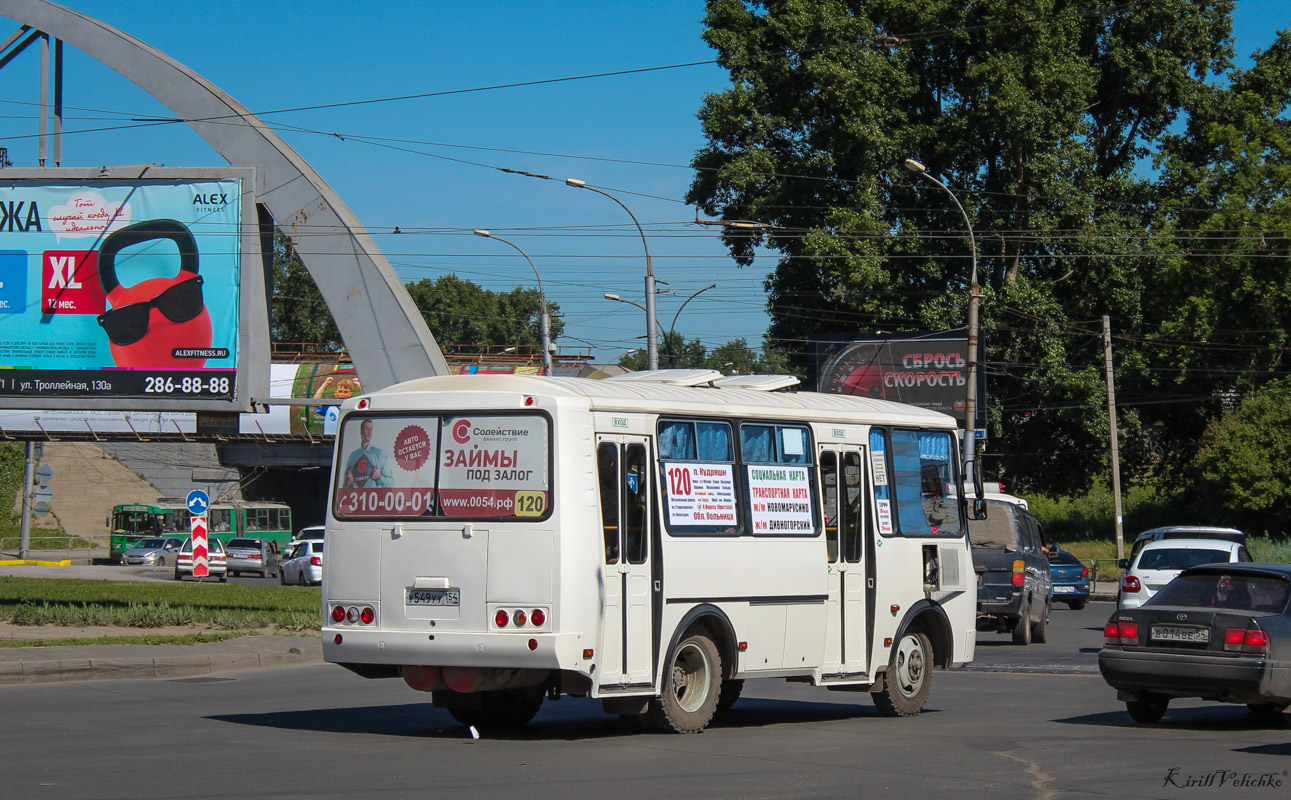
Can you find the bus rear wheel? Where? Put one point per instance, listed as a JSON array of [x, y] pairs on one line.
[[692, 687], [505, 708], [909, 677]]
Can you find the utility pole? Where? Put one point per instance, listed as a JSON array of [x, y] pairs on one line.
[[1116, 453]]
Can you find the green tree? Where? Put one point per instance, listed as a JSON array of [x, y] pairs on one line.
[[1243, 468], [298, 312], [1036, 113], [734, 358], [464, 316]]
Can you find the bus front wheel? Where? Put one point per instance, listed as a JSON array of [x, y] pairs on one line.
[[692, 687], [909, 677]]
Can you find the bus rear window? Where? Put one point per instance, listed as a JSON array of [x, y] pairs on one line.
[[479, 466]]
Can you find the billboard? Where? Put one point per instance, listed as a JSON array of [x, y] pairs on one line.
[[131, 293], [929, 370]]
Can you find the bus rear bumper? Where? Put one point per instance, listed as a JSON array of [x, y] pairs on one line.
[[352, 645]]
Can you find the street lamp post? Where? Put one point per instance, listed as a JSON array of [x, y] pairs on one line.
[[542, 298], [672, 355], [974, 294], [652, 325]]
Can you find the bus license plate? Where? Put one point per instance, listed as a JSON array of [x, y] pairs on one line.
[[433, 597], [1163, 633]]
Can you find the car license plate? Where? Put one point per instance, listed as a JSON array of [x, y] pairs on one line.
[[1064, 589], [433, 597], [1164, 633]]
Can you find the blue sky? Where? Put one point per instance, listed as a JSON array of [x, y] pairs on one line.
[[630, 134]]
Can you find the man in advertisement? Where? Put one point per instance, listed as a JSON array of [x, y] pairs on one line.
[[368, 466]]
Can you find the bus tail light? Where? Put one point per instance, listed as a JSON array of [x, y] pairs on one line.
[[366, 615], [338, 613], [538, 617], [501, 618], [519, 618], [1019, 573]]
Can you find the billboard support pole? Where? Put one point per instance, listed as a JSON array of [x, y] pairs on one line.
[[28, 490]]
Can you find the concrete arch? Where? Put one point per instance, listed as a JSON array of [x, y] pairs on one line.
[[384, 333]]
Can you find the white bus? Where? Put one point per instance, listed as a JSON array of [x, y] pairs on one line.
[[651, 541]]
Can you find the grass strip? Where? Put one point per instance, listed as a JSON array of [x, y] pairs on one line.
[[186, 638], [132, 604]]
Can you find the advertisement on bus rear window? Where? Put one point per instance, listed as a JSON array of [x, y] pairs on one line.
[[476, 466], [386, 467], [493, 466]]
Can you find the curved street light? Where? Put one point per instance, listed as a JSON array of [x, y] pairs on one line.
[[672, 356], [652, 325], [542, 297], [974, 294]]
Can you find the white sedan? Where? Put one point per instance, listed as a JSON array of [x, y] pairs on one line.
[[303, 564]]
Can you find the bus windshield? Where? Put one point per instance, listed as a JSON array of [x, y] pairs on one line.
[[482, 466]]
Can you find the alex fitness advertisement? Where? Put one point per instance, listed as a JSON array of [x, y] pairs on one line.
[[119, 289]]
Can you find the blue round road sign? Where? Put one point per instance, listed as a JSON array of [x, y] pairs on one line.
[[197, 502]]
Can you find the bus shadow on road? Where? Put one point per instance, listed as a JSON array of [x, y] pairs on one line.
[[569, 719]]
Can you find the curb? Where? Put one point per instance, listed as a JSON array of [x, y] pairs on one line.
[[20, 563], [93, 668]]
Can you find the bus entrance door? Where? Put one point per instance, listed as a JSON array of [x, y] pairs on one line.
[[625, 477], [847, 621]]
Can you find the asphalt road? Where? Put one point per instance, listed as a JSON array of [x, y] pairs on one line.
[[1022, 722]]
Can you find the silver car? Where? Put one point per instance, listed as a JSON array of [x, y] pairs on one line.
[[155, 551], [303, 564], [249, 555]]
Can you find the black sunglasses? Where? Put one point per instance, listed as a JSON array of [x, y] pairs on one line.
[[179, 303]]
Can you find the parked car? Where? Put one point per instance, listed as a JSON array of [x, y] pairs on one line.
[[1014, 587], [304, 563], [1070, 578], [312, 532], [1220, 632], [215, 560], [1185, 532], [250, 555], [1158, 562], [152, 552]]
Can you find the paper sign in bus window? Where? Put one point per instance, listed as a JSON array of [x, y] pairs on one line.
[[700, 494], [780, 500]]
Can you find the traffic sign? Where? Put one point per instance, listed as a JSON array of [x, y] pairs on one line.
[[198, 502], [201, 557]]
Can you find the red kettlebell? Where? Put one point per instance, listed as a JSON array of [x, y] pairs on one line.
[[150, 320]]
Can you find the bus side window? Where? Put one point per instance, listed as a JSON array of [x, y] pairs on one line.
[[829, 479], [852, 492], [607, 467], [634, 505]]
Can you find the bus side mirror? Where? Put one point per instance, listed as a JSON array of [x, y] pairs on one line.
[[979, 508]]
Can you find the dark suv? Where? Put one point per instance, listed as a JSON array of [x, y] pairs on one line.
[[1014, 586]]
